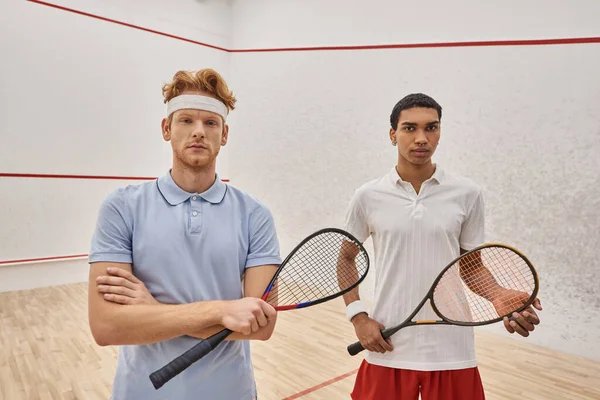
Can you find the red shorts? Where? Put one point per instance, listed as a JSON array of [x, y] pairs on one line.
[[374, 382]]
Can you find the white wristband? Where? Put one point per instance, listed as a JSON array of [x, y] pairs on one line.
[[354, 308]]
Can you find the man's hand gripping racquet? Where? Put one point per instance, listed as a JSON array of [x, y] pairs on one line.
[[317, 270]]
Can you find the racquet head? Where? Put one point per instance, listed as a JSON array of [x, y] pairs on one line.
[[485, 285], [325, 265]]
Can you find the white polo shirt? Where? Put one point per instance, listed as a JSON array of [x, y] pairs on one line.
[[414, 238]]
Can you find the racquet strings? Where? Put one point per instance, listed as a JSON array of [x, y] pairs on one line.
[[457, 295], [319, 269]]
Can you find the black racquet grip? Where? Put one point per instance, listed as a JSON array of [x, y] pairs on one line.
[[181, 363], [355, 348]]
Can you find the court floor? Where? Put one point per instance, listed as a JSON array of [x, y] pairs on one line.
[[47, 352]]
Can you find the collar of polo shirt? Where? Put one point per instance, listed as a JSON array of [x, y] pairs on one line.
[[174, 195], [438, 175]]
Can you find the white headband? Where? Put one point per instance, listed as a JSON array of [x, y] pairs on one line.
[[198, 102]]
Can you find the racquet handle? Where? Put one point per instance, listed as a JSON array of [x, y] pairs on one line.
[[179, 364], [355, 348]]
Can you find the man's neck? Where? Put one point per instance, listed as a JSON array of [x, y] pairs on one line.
[[193, 180], [415, 174]]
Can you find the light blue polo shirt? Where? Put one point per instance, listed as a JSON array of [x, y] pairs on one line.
[[185, 247]]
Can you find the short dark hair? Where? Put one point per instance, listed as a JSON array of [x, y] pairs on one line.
[[411, 101]]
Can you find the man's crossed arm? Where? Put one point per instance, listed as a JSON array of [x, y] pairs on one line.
[[123, 312]]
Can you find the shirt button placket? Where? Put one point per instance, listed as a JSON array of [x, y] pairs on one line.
[[196, 209]]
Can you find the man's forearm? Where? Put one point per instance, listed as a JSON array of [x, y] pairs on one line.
[[347, 272], [143, 324], [478, 278], [351, 296], [263, 333]]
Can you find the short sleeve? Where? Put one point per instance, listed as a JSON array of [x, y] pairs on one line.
[[263, 242], [473, 228], [112, 238], [356, 221]]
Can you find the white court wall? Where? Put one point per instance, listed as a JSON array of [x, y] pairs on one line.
[[82, 96], [522, 121]]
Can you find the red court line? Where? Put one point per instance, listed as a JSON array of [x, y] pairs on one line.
[[30, 260], [488, 43], [127, 24], [63, 176], [321, 385]]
